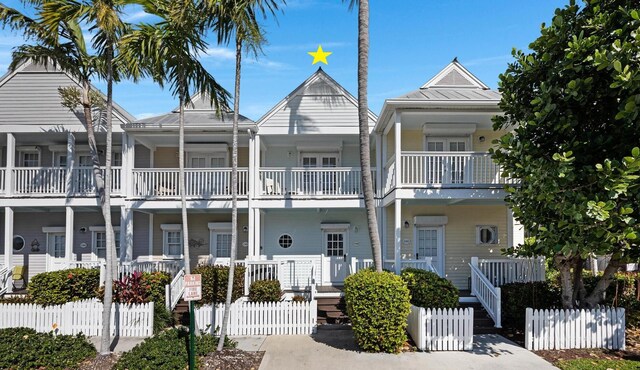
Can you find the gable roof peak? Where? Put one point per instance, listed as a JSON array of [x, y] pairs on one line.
[[455, 75]]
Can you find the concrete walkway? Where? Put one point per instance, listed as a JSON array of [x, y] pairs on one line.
[[335, 349], [120, 344]]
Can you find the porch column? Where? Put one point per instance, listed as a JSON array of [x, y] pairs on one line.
[[71, 163], [515, 230], [68, 234], [126, 234], [379, 165], [8, 242], [398, 146], [256, 165], [11, 162], [128, 160], [258, 233], [250, 196], [398, 239], [383, 232]]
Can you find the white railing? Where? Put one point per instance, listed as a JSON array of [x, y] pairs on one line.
[[261, 318], [171, 267], [511, 270], [2, 179], [5, 279], [441, 329], [299, 271], [259, 270], [488, 295], [311, 181], [360, 264], [173, 291], [423, 264], [450, 168], [199, 182], [389, 176], [80, 317], [53, 180], [567, 329]]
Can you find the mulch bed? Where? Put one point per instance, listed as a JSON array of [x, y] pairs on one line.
[[100, 362], [232, 359]]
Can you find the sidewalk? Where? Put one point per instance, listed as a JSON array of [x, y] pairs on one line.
[[336, 349]]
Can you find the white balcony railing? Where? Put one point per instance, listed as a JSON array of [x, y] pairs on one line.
[[53, 180], [311, 181], [199, 182]]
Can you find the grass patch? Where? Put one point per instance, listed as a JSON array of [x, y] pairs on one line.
[[598, 364]]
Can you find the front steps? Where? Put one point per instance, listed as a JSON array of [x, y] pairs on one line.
[[181, 313], [482, 323], [332, 310]]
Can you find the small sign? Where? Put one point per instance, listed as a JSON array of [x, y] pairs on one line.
[[192, 287]]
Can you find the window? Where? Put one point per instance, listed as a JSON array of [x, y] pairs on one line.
[[116, 159], [223, 245], [335, 244], [99, 241], [206, 160], [18, 243], [30, 159], [486, 234], [172, 240], [450, 144], [220, 239], [57, 245], [285, 241]]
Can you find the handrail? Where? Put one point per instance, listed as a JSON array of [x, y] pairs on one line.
[[173, 291], [488, 295], [5, 279]]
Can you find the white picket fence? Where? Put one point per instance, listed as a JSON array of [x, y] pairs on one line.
[[566, 329], [441, 329], [262, 318], [79, 317]]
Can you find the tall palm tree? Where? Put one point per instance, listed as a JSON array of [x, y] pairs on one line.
[[168, 51], [236, 19], [363, 125]]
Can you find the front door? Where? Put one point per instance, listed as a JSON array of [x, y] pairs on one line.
[[55, 251], [429, 243], [335, 245]]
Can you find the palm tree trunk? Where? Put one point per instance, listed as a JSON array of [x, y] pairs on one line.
[[111, 263], [234, 194], [363, 119], [183, 193]]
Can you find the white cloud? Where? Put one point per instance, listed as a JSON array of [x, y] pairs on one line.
[[219, 53], [499, 59], [146, 115], [269, 64], [136, 16]]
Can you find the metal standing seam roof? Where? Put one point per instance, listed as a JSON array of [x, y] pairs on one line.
[[191, 118], [451, 94]]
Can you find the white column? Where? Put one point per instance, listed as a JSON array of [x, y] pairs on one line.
[[258, 233], [11, 162], [383, 231], [398, 147], [8, 241], [515, 231], [68, 234], [398, 239], [71, 163], [256, 164], [128, 163], [383, 164], [150, 234], [250, 196], [126, 234], [379, 165]]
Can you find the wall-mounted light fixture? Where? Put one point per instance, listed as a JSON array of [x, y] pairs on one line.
[[245, 229], [481, 139], [35, 245], [83, 230], [406, 224]]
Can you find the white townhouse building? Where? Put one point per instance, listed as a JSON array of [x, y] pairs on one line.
[[301, 212]]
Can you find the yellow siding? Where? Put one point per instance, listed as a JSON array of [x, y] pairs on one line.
[[412, 140], [166, 158], [243, 157], [199, 230], [460, 235], [489, 136], [391, 144]]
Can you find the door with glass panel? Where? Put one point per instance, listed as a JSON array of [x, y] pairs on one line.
[[84, 174], [429, 243], [315, 180], [444, 168], [221, 246], [335, 249], [203, 182], [56, 253]]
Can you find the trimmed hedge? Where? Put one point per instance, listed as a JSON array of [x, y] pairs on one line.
[[62, 286], [516, 297], [430, 290], [214, 283], [24, 348], [378, 305], [167, 351], [265, 291]]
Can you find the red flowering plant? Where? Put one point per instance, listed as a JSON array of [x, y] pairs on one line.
[[141, 287]]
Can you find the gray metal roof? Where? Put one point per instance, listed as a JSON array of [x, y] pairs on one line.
[[451, 94]]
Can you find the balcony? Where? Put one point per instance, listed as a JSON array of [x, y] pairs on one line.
[[55, 181], [200, 183], [311, 182], [445, 170]]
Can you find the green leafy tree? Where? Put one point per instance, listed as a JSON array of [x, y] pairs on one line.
[[572, 103]]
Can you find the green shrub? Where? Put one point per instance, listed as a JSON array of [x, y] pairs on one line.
[[265, 291], [154, 283], [214, 283], [162, 318], [378, 306], [620, 293], [23, 348], [167, 351], [430, 290], [62, 286], [516, 297]]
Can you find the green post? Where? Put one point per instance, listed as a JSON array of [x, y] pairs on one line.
[[192, 337]]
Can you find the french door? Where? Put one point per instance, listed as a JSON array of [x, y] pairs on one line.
[[56, 258], [317, 181], [446, 169], [430, 243], [207, 182]]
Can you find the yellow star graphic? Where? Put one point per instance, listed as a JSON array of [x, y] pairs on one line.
[[319, 55]]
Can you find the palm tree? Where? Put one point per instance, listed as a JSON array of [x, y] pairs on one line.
[[168, 51], [237, 19], [363, 124]]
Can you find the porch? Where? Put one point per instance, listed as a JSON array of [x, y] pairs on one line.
[[311, 182]]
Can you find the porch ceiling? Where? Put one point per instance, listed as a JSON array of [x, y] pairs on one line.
[[453, 202], [301, 139], [171, 139], [416, 119], [58, 138]]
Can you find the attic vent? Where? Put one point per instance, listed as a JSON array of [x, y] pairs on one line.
[[453, 78]]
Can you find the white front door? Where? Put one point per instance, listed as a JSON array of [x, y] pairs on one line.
[[430, 243], [336, 252], [56, 259]]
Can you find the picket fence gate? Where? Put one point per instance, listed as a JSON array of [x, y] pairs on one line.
[[79, 317], [565, 329], [261, 318], [441, 329]]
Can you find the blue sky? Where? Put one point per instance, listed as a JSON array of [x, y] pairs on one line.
[[411, 40]]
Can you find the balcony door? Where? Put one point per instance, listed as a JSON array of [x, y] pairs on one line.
[[207, 182], [314, 180], [446, 168]]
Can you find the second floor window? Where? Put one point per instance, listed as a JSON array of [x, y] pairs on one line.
[[447, 144], [30, 159]]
